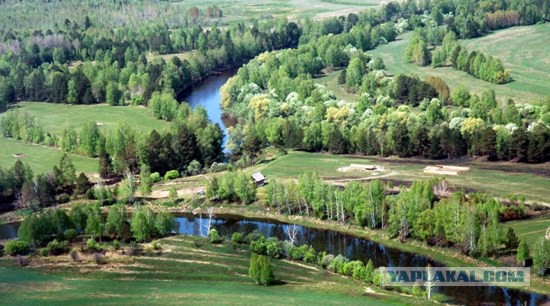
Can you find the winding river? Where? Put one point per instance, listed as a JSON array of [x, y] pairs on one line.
[[352, 247], [207, 94]]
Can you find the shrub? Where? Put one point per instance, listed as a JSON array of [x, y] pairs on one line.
[[44, 252], [324, 259], [133, 249], [116, 244], [97, 258], [259, 246], [93, 245], [417, 290], [253, 236], [214, 236], [172, 174], [237, 237], [64, 198], [155, 177], [261, 270], [90, 194], [58, 247], [337, 264], [309, 255], [17, 247], [274, 247], [156, 245], [74, 255], [70, 234], [21, 261]]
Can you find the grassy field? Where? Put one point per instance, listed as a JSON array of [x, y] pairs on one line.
[[530, 230], [239, 10], [184, 274], [41, 158], [488, 177], [330, 80], [523, 50], [56, 117]]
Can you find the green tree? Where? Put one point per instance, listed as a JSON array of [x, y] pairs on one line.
[[261, 269], [541, 256], [512, 241], [116, 220], [94, 221], [522, 252], [143, 223], [146, 186]]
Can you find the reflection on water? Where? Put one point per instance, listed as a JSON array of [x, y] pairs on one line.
[[352, 247]]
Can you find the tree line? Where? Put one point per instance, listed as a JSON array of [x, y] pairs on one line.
[[471, 223]]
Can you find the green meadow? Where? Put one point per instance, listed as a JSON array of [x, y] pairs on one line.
[[189, 271], [522, 50]]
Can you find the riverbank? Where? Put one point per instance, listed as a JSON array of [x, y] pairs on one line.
[[446, 256], [188, 270]]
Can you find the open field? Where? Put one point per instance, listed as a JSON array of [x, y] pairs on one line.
[[41, 158], [330, 80], [498, 179], [530, 230], [523, 50], [184, 274], [240, 10], [56, 117]]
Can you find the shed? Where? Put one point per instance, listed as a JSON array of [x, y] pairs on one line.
[[258, 178]]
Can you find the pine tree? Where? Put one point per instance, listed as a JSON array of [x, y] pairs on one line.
[[522, 252]]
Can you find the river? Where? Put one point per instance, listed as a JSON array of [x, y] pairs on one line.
[[352, 247], [207, 94]]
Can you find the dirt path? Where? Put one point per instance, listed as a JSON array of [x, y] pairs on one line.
[[343, 182]]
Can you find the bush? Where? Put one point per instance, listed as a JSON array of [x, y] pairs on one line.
[[214, 236], [93, 245], [237, 237], [64, 198], [90, 194], [97, 258], [253, 236], [156, 245], [274, 247], [70, 234], [17, 247], [133, 249], [116, 244], [58, 247], [74, 255], [44, 252], [261, 270], [172, 174], [324, 259], [259, 246], [155, 177], [309, 255]]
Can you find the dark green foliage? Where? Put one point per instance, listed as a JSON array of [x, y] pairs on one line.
[[57, 247], [512, 240]]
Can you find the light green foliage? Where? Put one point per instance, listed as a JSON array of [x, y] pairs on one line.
[[16, 247], [116, 220], [261, 270], [94, 221], [541, 256], [214, 236], [522, 252], [143, 223]]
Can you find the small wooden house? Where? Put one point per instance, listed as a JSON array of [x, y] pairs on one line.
[[258, 178]]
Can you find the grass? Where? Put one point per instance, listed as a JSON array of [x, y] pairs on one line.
[[530, 230], [498, 179], [56, 117], [243, 10], [330, 80], [41, 158], [523, 50], [184, 274]]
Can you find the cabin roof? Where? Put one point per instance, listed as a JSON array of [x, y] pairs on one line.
[[258, 176]]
